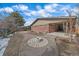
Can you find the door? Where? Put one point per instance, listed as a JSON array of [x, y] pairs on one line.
[[60, 28]]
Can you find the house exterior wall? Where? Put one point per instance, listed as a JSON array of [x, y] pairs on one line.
[[42, 28], [51, 25], [49, 28]]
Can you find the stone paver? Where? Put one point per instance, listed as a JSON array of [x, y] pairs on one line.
[[37, 42]]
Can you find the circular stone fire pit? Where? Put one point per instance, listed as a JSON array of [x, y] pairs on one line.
[[37, 42]]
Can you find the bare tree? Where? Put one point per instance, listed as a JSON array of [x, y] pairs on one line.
[[11, 25]]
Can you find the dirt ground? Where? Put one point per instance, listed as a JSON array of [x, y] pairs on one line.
[[56, 46], [67, 48]]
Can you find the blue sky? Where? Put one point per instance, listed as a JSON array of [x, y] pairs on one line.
[[31, 11]]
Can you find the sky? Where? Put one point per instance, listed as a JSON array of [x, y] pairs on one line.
[[32, 11]]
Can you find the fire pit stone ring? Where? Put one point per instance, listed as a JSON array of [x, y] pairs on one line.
[[37, 42]]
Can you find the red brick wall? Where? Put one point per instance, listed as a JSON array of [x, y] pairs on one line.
[[43, 28]]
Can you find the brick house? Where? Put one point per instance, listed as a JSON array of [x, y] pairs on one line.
[[54, 24]]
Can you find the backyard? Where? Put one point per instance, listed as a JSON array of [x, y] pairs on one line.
[[51, 45]]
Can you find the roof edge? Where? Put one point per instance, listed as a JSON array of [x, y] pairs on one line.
[[53, 17]]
